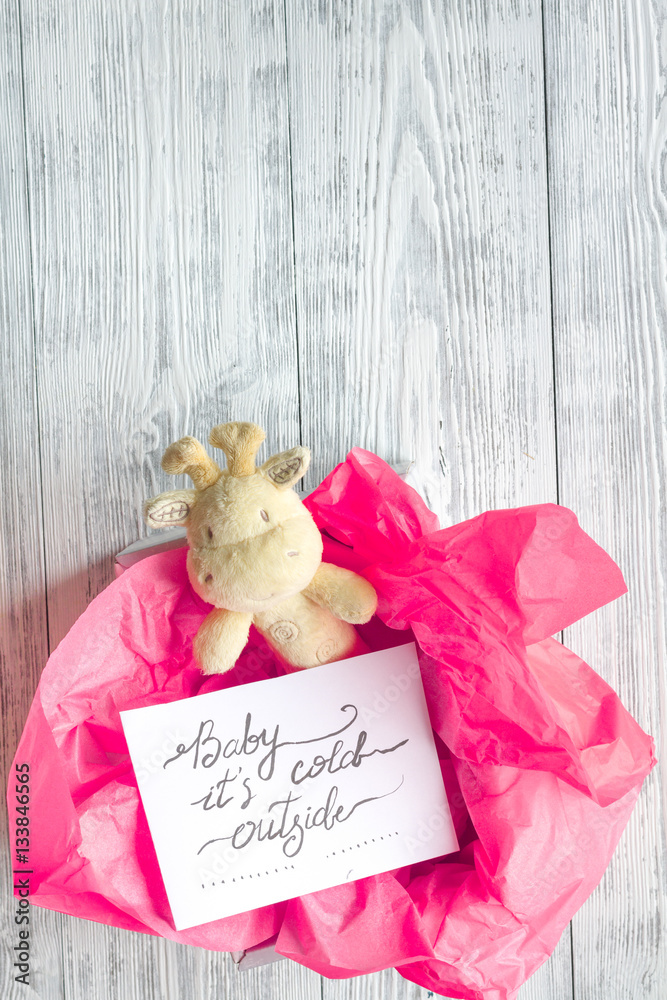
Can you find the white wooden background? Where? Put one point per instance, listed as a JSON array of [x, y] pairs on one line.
[[434, 229]]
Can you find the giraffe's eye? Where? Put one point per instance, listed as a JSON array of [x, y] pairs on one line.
[[264, 515]]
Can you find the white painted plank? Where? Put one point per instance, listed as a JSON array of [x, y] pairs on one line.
[[116, 965], [422, 263], [387, 985], [137, 310], [419, 174], [211, 975], [158, 169], [22, 601], [554, 978], [606, 67]]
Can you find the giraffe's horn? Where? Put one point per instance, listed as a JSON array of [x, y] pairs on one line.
[[240, 442], [188, 456]]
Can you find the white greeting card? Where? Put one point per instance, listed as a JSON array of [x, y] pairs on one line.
[[274, 789]]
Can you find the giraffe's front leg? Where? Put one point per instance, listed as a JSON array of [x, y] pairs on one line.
[[220, 640], [344, 593]]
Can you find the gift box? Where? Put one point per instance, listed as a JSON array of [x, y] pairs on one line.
[[541, 762]]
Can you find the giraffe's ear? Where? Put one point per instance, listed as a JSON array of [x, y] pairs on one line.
[[169, 509], [287, 468]]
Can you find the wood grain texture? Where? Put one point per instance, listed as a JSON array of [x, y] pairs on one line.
[[22, 599], [387, 985], [102, 962], [158, 173], [421, 239], [553, 979], [335, 219], [422, 260], [157, 148], [607, 66]]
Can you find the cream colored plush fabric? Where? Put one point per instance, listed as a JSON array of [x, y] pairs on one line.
[[255, 553]]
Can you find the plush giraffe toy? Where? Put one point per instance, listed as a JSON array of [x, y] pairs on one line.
[[255, 553]]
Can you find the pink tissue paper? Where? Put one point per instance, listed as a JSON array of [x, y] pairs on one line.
[[541, 762]]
